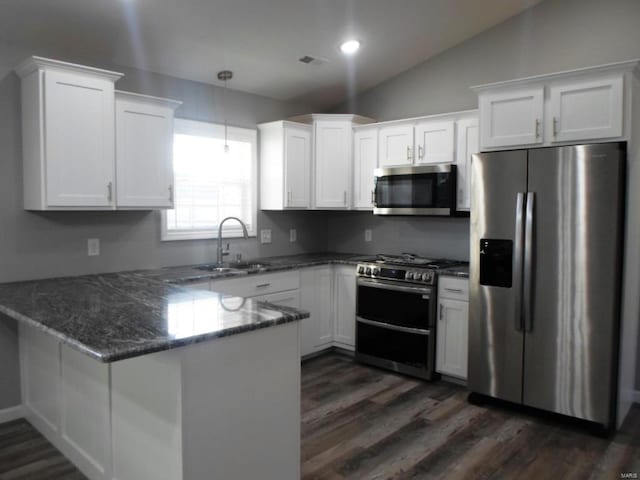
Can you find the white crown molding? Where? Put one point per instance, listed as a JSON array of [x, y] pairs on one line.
[[34, 63], [148, 98]]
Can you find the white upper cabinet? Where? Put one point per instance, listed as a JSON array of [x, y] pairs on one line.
[[395, 145], [434, 142], [68, 128], [365, 161], [586, 105], [468, 138], [586, 110], [144, 151], [285, 165], [333, 153], [512, 118]]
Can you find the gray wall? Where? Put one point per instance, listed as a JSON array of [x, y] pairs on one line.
[[553, 36], [48, 244]]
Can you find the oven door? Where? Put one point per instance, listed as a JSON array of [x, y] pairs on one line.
[[394, 327], [424, 190]]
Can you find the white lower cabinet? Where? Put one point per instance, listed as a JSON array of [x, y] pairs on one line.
[[345, 306], [453, 327], [315, 297]]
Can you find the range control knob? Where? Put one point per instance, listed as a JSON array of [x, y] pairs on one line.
[[360, 270], [375, 271], [368, 271], [426, 277], [408, 275]]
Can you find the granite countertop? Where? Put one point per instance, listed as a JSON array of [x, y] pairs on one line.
[[187, 274], [116, 316]]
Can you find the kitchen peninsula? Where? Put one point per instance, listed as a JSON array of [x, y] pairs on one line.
[[104, 381]]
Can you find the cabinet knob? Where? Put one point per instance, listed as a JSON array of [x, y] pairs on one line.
[[110, 191]]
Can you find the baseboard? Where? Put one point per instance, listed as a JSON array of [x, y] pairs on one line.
[[13, 413]]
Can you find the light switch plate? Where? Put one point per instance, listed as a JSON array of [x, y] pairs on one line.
[[93, 247], [265, 235], [293, 235], [368, 235]]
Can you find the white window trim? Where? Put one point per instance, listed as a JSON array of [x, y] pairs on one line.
[[230, 229]]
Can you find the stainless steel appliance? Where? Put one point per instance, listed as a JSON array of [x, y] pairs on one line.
[[415, 190], [545, 276], [395, 313]]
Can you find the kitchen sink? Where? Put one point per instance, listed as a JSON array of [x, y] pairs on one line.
[[239, 267]]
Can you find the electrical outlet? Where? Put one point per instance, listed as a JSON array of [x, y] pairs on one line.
[[293, 235], [93, 247], [265, 235], [367, 235]]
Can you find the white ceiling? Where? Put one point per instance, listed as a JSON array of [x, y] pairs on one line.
[[260, 40]]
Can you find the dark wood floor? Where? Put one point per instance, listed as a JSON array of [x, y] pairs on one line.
[[363, 423]]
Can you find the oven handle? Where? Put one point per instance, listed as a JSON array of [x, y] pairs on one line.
[[397, 328], [425, 291]]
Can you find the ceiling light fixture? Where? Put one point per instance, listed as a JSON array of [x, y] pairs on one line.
[[350, 47], [224, 76]]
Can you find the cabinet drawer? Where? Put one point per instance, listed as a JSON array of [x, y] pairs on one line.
[[254, 285], [453, 288]]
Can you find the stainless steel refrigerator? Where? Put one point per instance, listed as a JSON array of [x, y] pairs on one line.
[[545, 277]]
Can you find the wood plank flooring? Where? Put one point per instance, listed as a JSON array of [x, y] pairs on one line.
[[363, 423]]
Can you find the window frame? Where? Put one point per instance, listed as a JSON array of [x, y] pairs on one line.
[[231, 229]]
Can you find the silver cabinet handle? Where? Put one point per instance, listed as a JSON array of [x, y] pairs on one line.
[[537, 128], [517, 287], [345, 198], [528, 262], [171, 194], [408, 152], [555, 127], [457, 290], [288, 198], [420, 151], [263, 285], [373, 197], [110, 191], [440, 308]]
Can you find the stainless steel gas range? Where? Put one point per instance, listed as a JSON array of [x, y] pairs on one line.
[[395, 313]]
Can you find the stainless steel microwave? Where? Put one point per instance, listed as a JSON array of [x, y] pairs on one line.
[[415, 190]]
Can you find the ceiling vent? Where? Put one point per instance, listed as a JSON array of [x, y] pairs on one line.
[[309, 60]]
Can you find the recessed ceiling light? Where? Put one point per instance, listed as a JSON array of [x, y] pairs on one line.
[[350, 47]]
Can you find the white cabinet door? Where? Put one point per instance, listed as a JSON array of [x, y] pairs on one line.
[[452, 337], [395, 145], [365, 161], [333, 142], [80, 140], [144, 152], [345, 306], [434, 142], [467, 145], [511, 118], [587, 110], [297, 154], [316, 298]]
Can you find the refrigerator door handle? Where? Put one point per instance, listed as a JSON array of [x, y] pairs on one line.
[[518, 257], [528, 262]]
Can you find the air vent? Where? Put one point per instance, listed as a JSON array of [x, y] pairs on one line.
[[309, 60]]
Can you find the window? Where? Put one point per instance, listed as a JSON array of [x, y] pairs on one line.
[[211, 184]]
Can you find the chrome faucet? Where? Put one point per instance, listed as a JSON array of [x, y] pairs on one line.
[[221, 254]]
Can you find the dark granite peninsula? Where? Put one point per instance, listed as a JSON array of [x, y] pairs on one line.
[[104, 382]]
